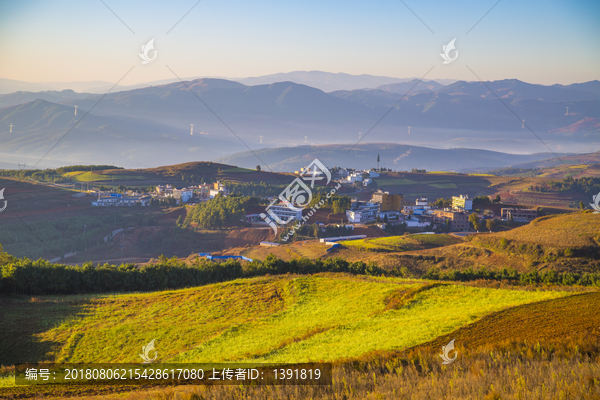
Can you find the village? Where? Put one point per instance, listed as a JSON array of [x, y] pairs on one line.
[[383, 209]]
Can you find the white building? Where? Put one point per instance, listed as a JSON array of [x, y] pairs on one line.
[[164, 190], [354, 177], [354, 216], [462, 203], [367, 182], [184, 194]]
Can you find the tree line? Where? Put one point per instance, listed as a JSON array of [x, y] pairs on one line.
[[587, 185], [24, 276]]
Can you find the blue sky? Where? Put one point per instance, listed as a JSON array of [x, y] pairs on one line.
[[66, 40]]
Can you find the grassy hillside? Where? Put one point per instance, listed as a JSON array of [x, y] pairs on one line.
[[263, 319], [401, 243], [567, 242]]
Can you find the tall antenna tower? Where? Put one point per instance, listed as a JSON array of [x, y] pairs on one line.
[[75, 110], [192, 131], [409, 130], [10, 125], [567, 113], [261, 138]]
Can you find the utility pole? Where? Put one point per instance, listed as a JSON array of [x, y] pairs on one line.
[[567, 113], [260, 138], [192, 131], [409, 130], [75, 110], [523, 126], [10, 125]]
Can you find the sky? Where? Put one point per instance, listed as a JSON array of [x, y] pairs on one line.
[[543, 42]]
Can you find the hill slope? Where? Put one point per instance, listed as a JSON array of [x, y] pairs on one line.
[[284, 319]]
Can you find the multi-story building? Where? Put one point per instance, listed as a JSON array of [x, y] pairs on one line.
[[459, 220], [519, 214], [218, 187], [462, 202], [387, 201], [281, 211]]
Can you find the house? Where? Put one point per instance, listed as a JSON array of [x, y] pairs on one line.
[[218, 188], [462, 203], [458, 220], [519, 214], [421, 207], [367, 182], [184, 194], [373, 174], [354, 216], [162, 190], [354, 177]]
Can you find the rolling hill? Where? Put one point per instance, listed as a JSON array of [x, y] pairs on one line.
[[285, 319], [399, 157], [462, 114]]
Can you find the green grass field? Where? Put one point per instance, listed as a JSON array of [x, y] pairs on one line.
[[286, 319], [88, 176], [401, 243]]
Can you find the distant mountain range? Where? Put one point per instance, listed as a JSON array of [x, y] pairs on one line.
[[136, 127], [398, 157], [329, 82], [325, 81]]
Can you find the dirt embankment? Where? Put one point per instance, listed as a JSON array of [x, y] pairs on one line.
[[248, 237]]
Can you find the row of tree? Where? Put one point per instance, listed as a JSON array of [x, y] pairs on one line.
[[24, 276], [587, 185], [549, 277]]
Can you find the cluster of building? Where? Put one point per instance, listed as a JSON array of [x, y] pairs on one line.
[[188, 195], [384, 206], [366, 176]]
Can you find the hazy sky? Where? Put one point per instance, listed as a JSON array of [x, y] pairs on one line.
[[544, 42]]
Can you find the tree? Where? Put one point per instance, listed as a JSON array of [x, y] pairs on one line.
[[474, 219], [581, 205], [258, 168], [490, 224], [497, 199], [385, 218]]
